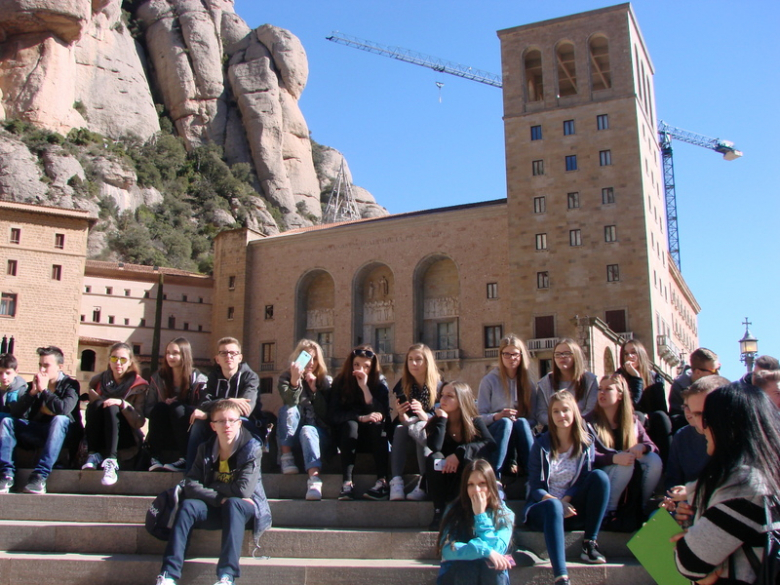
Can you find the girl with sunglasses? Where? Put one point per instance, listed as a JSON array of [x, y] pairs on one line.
[[115, 413], [359, 407]]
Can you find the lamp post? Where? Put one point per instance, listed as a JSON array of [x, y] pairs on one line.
[[748, 347]]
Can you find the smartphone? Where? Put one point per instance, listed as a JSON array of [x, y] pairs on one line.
[[303, 359], [438, 464], [402, 399]]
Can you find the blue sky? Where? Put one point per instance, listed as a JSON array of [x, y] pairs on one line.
[[716, 75]]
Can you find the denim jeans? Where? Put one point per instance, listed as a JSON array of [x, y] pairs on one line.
[[49, 435], [231, 517], [312, 439], [590, 501], [620, 476], [401, 438], [519, 432]]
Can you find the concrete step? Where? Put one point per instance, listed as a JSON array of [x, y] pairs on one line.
[[81, 569]]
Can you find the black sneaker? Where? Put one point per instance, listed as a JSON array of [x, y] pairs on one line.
[[347, 492], [591, 553], [380, 491], [35, 485], [438, 514], [6, 483]]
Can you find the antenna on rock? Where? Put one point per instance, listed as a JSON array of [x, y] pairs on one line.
[[341, 203]]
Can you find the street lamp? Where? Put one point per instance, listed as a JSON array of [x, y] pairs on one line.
[[748, 347]]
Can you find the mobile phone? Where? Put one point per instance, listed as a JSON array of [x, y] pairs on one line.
[[438, 464], [303, 359], [402, 399]]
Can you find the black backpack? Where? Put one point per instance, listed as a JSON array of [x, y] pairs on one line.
[[162, 513], [767, 571]]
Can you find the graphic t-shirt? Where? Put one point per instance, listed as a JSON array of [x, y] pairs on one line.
[[224, 473]]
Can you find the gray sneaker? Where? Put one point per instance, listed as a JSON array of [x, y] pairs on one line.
[[6, 483], [35, 485]]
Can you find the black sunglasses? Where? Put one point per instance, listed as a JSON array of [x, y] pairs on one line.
[[366, 353]]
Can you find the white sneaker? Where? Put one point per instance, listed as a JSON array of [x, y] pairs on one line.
[[417, 494], [93, 461], [397, 489], [288, 464], [180, 465], [156, 464], [164, 579], [314, 493], [110, 466]]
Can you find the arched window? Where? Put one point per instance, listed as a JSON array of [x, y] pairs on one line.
[[533, 75], [609, 361], [87, 360], [600, 73], [314, 309], [567, 70], [373, 308], [437, 305]]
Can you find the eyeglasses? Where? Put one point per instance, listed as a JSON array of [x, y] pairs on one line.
[[704, 370], [366, 353], [229, 354], [562, 354], [691, 413], [115, 359], [227, 422], [511, 356]]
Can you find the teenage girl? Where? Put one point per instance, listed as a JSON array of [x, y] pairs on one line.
[[568, 373]]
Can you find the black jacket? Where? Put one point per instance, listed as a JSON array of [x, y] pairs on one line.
[[243, 384], [440, 442], [340, 412], [64, 400]]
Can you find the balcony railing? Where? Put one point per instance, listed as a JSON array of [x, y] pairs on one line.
[[627, 335], [541, 344], [668, 351], [267, 367], [443, 355], [491, 353], [385, 359]]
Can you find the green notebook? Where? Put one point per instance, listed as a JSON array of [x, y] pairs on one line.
[[652, 549]]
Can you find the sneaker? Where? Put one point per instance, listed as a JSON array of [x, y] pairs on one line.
[[164, 579], [314, 493], [380, 491], [35, 485], [563, 580], [93, 461], [155, 464], [288, 464], [347, 491], [110, 466], [417, 494], [397, 489], [6, 483], [225, 580], [179, 465], [438, 514], [591, 553]]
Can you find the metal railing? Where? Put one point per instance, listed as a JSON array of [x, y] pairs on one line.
[[443, 355]]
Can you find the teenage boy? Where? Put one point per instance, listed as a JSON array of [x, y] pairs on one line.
[[11, 384], [704, 362], [232, 379], [39, 418], [769, 382]]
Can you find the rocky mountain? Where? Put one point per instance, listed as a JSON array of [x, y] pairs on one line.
[[97, 97]]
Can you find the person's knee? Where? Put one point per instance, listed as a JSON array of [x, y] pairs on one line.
[[552, 509], [502, 426], [600, 479], [60, 421]]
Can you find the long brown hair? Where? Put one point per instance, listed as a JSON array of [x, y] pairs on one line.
[[315, 351], [625, 416], [468, 410], [642, 360], [432, 376], [133, 369], [579, 432], [525, 387], [347, 382], [166, 372], [578, 383]]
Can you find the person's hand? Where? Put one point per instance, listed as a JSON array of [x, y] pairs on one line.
[[40, 383], [440, 413], [362, 378], [498, 562], [629, 367], [684, 514], [450, 464], [243, 405], [404, 407], [295, 374], [418, 410], [677, 493], [638, 450], [170, 400], [197, 414], [509, 413], [678, 536], [568, 509], [311, 380], [479, 501], [113, 402], [374, 417], [624, 458], [711, 578]]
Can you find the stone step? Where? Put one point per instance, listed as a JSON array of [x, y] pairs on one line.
[[118, 569]]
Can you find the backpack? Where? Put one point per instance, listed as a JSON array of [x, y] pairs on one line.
[[768, 570], [162, 512]]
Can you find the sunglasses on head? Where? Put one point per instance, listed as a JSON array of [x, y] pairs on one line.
[[366, 353]]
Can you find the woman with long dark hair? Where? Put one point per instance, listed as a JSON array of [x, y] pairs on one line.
[[359, 405], [568, 373], [476, 531], [174, 392], [735, 500]]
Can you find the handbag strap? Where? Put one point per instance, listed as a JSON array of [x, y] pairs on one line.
[[755, 564]]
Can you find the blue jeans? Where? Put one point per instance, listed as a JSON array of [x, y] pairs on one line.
[[32, 434], [231, 517], [519, 431], [620, 476], [590, 501], [313, 439]]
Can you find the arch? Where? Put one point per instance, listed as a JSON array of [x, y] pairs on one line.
[[315, 296], [436, 286], [534, 79], [373, 307], [609, 361], [567, 68], [88, 358], [600, 72]]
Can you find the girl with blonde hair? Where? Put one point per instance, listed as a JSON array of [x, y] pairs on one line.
[[568, 373]]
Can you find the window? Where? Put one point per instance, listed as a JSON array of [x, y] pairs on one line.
[[536, 132], [83, 318], [610, 233], [16, 235], [540, 205], [87, 289], [613, 273], [59, 241], [110, 319], [600, 74], [492, 290], [571, 162], [183, 298], [269, 312], [493, 336], [8, 305], [186, 326], [231, 312], [231, 283], [544, 327], [200, 299], [137, 349], [200, 327], [543, 279], [142, 323], [447, 335], [616, 320], [165, 297], [56, 272], [537, 167], [568, 127], [575, 237], [127, 321], [325, 339], [383, 340], [146, 294], [171, 322], [88, 360], [605, 158], [573, 200], [127, 292], [567, 71], [533, 75], [11, 268], [266, 385], [607, 195], [602, 122], [109, 290], [541, 241], [268, 353], [96, 315]]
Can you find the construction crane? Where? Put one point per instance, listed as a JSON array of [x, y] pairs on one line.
[[665, 135], [665, 132]]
